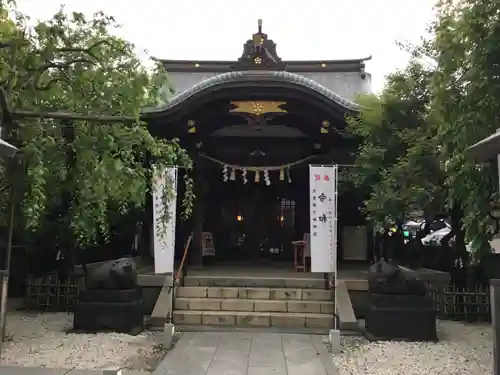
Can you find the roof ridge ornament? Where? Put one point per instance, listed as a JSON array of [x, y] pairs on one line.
[[259, 53]]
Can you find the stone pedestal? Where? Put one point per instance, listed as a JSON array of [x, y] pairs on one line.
[[169, 331], [335, 341], [400, 317], [109, 310], [112, 371]]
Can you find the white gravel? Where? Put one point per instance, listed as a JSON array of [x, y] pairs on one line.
[[463, 349], [40, 340]]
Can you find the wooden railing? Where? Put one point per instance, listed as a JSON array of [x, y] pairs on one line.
[[183, 261]]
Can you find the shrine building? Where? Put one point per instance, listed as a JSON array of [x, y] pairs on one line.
[[252, 127]]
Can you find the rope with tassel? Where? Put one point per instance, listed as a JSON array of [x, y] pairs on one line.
[[261, 168]]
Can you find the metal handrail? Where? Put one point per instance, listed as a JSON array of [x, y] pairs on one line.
[[184, 257], [176, 280]]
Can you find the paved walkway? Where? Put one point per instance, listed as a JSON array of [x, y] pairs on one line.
[[244, 353]]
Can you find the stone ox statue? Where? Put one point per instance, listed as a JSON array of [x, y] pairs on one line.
[[387, 278], [117, 274]]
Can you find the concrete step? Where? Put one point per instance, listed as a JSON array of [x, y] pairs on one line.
[[303, 282], [253, 319], [270, 293], [217, 328], [257, 305], [293, 330]]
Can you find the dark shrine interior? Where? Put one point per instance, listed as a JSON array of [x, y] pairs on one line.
[[257, 222]]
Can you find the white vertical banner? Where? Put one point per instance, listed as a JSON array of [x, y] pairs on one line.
[[164, 234], [323, 216]]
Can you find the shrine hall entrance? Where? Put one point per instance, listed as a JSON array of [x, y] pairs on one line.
[[255, 221]]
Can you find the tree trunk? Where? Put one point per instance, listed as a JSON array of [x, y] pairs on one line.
[[68, 244]]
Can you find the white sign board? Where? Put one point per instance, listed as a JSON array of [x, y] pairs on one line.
[[164, 235], [323, 216]]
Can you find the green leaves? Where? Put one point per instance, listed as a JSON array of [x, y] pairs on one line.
[[397, 156], [466, 101], [82, 175], [415, 133]]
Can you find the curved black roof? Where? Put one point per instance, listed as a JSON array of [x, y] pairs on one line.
[[256, 76]]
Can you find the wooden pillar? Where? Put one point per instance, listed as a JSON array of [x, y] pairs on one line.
[[196, 253]]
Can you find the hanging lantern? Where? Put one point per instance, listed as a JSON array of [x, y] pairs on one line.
[[244, 176], [233, 174], [282, 175], [288, 175], [257, 176], [224, 173]]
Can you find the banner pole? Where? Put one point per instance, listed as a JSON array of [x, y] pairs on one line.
[[335, 228]]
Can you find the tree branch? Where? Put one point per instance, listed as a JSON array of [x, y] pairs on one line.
[[7, 114], [50, 64], [62, 66], [89, 50]]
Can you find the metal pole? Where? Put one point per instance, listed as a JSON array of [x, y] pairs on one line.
[[6, 271], [170, 316], [495, 314], [335, 195], [498, 167]]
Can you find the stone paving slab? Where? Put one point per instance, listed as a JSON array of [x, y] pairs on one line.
[[18, 370], [97, 372], [247, 353]]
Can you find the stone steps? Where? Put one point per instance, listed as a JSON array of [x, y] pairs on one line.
[[298, 304], [254, 293], [304, 282], [296, 321], [254, 305]]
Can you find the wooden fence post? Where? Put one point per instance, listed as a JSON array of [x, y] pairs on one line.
[[495, 321]]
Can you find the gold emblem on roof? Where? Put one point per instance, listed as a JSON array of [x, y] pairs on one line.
[[257, 107]]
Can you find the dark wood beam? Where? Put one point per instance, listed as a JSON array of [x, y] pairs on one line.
[[312, 66]]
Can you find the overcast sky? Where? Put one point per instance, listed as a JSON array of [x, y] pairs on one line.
[[302, 30]]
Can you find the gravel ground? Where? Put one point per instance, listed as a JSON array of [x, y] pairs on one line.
[[463, 349], [41, 340]]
